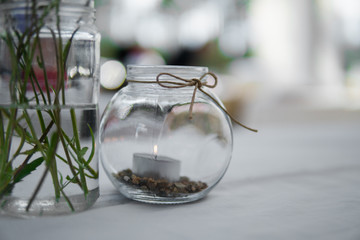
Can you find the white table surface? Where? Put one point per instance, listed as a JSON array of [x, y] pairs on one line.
[[297, 180]]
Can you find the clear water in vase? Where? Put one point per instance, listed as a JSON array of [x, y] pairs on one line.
[[70, 182]]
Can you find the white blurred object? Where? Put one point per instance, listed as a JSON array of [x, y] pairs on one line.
[[282, 34], [353, 86], [199, 25], [145, 57], [157, 30], [112, 74], [348, 12], [329, 57], [298, 45], [125, 16], [233, 40]]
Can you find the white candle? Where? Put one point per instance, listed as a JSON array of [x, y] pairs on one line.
[[157, 167]]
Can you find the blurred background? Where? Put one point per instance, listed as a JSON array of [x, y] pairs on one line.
[[277, 60]]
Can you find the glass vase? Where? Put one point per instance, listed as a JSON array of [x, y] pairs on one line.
[[49, 69], [161, 144]]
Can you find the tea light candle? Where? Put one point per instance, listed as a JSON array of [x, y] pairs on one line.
[[157, 167]]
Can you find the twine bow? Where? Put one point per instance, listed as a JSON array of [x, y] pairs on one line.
[[198, 84]]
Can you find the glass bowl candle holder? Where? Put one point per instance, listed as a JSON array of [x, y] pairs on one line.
[[163, 137]]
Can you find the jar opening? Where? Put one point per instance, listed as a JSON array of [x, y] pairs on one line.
[[87, 3], [150, 72]]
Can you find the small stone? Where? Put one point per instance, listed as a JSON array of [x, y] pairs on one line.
[[179, 185], [190, 188], [126, 178], [151, 184], [143, 187], [127, 172], [184, 179], [162, 183], [202, 185], [135, 179], [143, 181]]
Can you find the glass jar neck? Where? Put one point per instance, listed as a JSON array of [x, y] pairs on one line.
[[150, 73], [142, 78]]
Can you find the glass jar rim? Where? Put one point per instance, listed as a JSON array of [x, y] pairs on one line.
[[89, 3], [81, 6], [150, 72]]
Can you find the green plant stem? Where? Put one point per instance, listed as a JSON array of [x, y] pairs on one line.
[[67, 200], [50, 158], [94, 174], [44, 71], [71, 166], [78, 150], [22, 135], [55, 180], [71, 145], [52, 165], [37, 189], [59, 59]]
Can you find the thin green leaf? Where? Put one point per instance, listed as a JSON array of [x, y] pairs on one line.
[[52, 148], [83, 151], [5, 178], [61, 180], [68, 45], [51, 163], [22, 141], [39, 62], [30, 167], [92, 145], [73, 180]]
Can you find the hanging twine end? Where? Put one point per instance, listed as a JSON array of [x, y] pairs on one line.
[[242, 125], [253, 130]]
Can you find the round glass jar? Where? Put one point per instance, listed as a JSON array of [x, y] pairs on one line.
[[153, 148], [49, 87]]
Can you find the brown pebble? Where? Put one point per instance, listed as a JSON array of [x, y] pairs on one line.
[[162, 183], [135, 179], [179, 185], [126, 172], [184, 179], [143, 187], [151, 184]]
